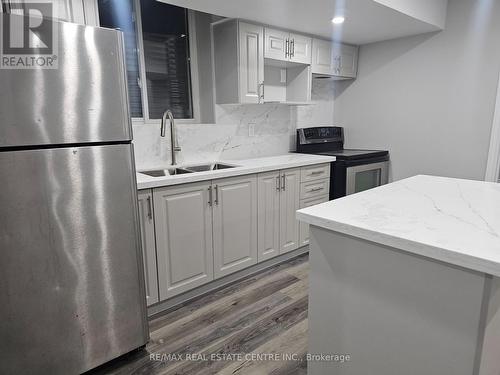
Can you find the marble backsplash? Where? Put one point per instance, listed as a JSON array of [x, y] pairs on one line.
[[240, 131]]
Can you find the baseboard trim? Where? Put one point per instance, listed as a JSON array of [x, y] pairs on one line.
[[174, 302]]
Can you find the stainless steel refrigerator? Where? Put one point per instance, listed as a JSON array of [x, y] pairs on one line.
[[71, 284]]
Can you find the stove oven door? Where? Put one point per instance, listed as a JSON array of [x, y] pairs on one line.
[[366, 176]]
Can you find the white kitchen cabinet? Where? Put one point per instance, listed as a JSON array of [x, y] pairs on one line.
[[268, 221], [280, 195], [300, 48], [207, 230], [286, 46], [348, 61], [276, 44], [334, 59], [322, 57], [183, 219], [289, 204], [234, 224], [238, 62], [251, 62], [146, 221], [303, 227]]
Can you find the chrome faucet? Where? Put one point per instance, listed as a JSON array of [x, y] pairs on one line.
[[174, 146]]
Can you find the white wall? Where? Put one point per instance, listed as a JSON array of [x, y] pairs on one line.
[[429, 99], [431, 11], [320, 113]]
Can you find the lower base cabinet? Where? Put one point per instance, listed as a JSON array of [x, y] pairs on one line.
[[147, 225], [289, 204], [183, 220], [204, 231], [197, 232], [278, 196], [234, 224], [268, 215]]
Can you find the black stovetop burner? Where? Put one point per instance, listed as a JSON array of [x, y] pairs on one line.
[[329, 140]]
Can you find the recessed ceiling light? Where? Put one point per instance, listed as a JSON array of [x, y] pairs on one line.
[[338, 20]]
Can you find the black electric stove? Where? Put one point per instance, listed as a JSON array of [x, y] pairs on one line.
[[354, 170]]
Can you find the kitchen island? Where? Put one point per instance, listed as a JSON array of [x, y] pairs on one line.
[[404, 279]]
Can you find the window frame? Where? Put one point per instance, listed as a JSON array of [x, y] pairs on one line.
[[193, 71]]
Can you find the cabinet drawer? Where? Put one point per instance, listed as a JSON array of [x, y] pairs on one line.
[[315, 172], [303, 227], [314, 188], [314, 201]]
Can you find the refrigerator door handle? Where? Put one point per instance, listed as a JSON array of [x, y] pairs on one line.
[[150, 209]]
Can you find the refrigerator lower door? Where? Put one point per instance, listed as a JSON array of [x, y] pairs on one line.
[[71, 281]]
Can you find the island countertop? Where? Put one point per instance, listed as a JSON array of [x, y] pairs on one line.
[[451, 220]]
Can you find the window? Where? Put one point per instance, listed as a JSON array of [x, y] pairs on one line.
[[162, 60], [166, 54], [119, 14]]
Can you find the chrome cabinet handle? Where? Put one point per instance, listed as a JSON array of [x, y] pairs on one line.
[[315, 189], [210, 196], [263, 91], [216, 201], [278, 185], [150, 208], [292, 47], [338, 64], [283, 184], [260, 92], [287, 46], [314, 173]]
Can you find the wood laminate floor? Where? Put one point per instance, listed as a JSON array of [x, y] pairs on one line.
[[263, 314]]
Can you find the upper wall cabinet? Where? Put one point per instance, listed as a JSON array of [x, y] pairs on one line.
[[238, 62], [334, 59], [285, 46], [243, 74]]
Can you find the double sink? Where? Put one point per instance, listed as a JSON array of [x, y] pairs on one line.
[[191, 169]]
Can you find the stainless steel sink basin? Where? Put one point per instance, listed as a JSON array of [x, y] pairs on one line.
[[166, 172], [209, 167], [191, 169]]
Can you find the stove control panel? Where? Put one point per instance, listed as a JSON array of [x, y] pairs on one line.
[[321, 134]]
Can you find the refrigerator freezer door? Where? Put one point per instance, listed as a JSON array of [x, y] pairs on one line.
[[84, 100], [71, 281]]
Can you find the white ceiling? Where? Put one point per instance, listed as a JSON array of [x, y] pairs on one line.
[[367, 21]]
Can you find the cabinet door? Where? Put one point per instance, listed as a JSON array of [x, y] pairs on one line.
[[268, 215], [301, 47], [348, 63], [322, 57], [304, 227], [183, 220], [289, 204], [275, 44], [235, 224], [251, 62], [148, 245]]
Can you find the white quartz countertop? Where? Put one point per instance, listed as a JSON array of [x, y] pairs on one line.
[[245, 166], [451, 220]]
